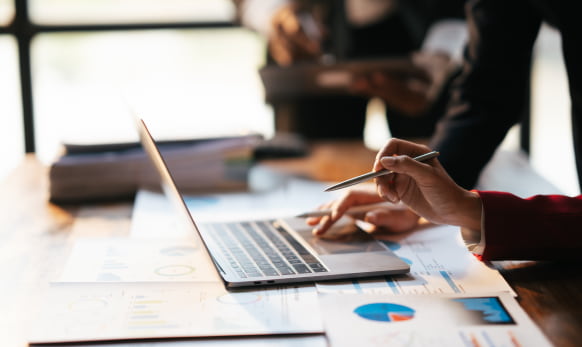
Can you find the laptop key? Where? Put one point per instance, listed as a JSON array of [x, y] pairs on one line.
[[320, 269], [286, 270], [270, 272], [301, 268]]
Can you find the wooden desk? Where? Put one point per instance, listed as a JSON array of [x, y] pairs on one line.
[[35, 237]]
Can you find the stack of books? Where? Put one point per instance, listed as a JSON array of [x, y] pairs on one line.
[[89, 173]]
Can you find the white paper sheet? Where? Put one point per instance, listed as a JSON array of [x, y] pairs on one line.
[[238, 341], [439, 263], [138, 260], [153, 216], [420, 320], [92, 312]]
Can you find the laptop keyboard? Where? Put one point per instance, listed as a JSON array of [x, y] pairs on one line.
[[256, 249]]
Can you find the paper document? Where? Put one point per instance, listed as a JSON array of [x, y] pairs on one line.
[[419, 320], [100, 312], [439, 263], [138, 260], [153, 216]]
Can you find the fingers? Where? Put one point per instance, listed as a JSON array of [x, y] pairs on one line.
[[409, 175], [395, 220], [316, 220], [340, 207], [397, 156], [386, 188], [324, 224], [399, 147], [288, 41], [422, 173]]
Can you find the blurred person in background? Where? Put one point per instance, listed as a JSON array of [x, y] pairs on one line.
[[328, 31]]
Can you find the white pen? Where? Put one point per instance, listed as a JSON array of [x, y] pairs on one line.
[[353, 210]]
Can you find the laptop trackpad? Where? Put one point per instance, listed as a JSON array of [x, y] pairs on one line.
[[346, 238]]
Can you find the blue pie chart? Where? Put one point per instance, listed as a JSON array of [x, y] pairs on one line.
[[385, 312]]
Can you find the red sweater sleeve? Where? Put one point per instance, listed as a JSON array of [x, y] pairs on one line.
[[542, 227]]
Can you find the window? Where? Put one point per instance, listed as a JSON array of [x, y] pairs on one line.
[[184, 82], [181, 64], [6, 11], [11, 131], [129, 11]]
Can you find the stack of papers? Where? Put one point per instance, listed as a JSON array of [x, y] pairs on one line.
[[88, 173]]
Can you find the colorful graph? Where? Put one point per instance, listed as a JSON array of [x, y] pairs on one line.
[[486, 310], [146, 313], [406, 260], [393, 246], [385, 312]]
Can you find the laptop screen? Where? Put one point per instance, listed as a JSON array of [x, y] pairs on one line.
[[167, 181]]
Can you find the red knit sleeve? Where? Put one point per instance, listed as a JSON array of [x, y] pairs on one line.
[[542, 227]]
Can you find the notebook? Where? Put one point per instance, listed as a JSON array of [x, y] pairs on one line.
[[275, 251]]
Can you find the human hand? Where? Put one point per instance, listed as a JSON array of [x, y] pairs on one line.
[[296, 35], [411, 94], [425, 187], [396, 219]]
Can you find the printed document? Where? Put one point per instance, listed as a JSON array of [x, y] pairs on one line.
[[439, 264], [113, 311], [420, 320]]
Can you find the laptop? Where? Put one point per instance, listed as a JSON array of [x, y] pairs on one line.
[[275, 251]]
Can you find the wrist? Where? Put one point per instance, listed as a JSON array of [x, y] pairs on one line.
[[470, 211]]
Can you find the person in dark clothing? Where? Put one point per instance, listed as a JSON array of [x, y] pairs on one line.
[[342, 30], [489, 97]]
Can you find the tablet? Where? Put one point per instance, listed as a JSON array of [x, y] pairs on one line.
[[312, 79]]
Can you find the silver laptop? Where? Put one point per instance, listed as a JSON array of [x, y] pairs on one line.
[[262, 252]]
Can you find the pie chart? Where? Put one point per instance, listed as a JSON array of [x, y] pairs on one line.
[[385, 312]]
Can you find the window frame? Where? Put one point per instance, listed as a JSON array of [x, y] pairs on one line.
[[23, 29]]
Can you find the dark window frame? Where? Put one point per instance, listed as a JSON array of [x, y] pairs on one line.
[[24, 30]]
